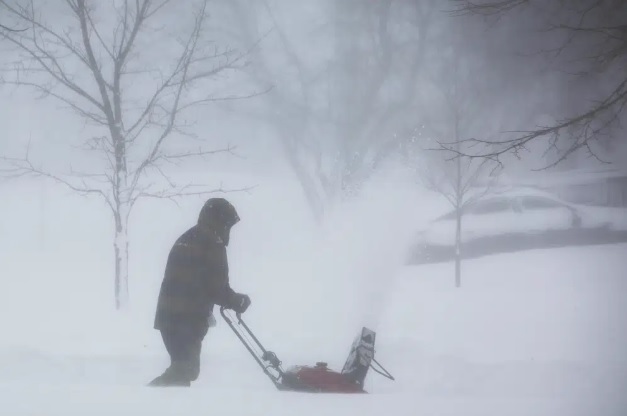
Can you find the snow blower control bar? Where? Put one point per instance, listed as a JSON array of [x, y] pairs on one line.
[[266, 356], [316, 379]]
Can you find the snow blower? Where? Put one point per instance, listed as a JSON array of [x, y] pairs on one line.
[[318, 378]]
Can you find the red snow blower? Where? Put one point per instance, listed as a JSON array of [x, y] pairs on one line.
[[318, 378]]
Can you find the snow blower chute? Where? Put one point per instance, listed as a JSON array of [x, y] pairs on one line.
[[318, 378]]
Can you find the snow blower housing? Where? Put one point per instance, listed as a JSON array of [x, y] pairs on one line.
[[318, 378]]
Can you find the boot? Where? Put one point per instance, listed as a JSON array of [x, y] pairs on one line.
[[171, 378]]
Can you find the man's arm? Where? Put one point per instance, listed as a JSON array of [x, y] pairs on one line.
[[219, 289]]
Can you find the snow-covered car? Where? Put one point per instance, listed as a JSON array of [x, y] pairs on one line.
[[519, 219]]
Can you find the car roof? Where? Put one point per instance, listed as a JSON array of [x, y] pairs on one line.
[[517, 193], [509, 194]]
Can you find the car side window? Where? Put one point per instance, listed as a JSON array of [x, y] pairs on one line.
[[539, 203], [491, 207]]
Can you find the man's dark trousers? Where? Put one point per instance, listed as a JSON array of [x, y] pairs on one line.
[[184, 344]]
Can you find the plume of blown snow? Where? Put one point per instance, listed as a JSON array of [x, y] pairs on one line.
[[362, 248]]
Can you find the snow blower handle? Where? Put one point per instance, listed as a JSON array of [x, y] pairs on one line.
[[251, 343]]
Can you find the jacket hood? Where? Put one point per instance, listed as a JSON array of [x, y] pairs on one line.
[[219, 216]]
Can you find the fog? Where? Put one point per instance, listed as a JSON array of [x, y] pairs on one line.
[[436, 173]]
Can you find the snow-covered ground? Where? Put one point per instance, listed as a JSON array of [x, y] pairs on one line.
[[534, 333]]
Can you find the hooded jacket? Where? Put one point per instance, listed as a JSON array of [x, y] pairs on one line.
[[196, 279]]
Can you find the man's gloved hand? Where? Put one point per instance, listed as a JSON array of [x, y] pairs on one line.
[[239, 302]]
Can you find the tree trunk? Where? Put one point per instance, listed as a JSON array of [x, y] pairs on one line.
[[121, 210], [121, 260], [306, 180], [458, 249], [458, 209]]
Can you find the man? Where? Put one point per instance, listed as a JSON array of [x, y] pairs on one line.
[[196, 278]]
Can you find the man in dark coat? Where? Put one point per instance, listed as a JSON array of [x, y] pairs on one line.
[[196, 279]]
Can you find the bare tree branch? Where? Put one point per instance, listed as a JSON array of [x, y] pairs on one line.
[[24, 167], [187, 191], [47, 91], [8, 29], [584, 129], [594, 42], [44, 56], [486, 8]]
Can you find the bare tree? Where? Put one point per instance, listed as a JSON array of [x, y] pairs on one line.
[[376, 83], [461, 181], [117, 74], [589, 41], [453, 109], [335, 117]]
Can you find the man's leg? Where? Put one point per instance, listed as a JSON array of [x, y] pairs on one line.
[[174, 345], [191, 360], [184, 344]]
